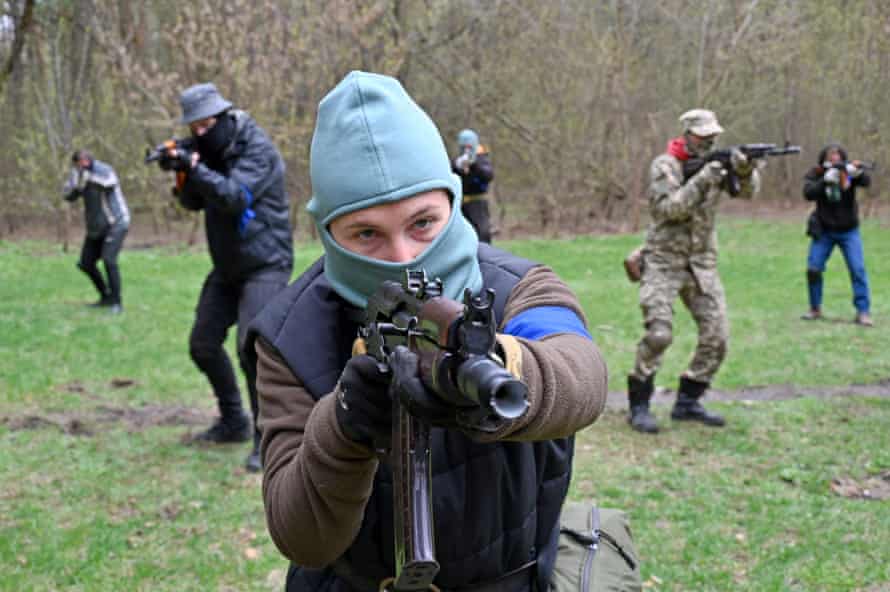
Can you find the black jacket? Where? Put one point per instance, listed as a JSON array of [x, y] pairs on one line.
[[834, 216], [480, 174], [513, 491], [245, 204]]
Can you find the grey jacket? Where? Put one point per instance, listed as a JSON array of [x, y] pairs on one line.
[[104, 204]]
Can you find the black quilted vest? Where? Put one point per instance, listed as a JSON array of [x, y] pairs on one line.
[[496, 505]]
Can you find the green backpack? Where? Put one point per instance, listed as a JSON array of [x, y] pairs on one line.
[[596, 551]]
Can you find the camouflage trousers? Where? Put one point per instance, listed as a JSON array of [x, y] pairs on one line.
[[702, 293]]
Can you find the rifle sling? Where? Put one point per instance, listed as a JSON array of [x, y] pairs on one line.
[[521, 578]]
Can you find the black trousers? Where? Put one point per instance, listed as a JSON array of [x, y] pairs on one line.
[[224, 303], [478, 215], [105, 247]]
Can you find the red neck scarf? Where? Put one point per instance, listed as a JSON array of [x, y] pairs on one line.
[[677, 148]]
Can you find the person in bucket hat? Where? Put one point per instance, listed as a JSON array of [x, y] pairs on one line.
[[230, 169]]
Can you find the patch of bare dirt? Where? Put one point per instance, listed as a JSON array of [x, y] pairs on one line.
[[90, 417], [88, 422], [872, 488]]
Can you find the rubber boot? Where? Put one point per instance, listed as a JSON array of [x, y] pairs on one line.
[[687, 407], [639, 392]]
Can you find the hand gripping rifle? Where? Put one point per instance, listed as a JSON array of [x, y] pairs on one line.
[[162, 150], [724, 156], [455, 343]]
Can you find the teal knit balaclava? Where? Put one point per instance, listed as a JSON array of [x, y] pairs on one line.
[[374, 145], [468, 137]]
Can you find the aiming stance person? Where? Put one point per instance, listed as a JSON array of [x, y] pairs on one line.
[[107, 221], [679, 257], [497, 488], [473, 165], [832, 185], [232, 171]]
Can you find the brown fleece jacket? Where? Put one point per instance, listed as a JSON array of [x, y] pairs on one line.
[[316, 481]]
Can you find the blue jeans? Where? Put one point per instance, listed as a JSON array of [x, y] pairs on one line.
[[850, 243]]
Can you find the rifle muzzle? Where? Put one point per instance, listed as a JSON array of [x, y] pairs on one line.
[[492, 386]]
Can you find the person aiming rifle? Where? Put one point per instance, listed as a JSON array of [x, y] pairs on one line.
[[473, 166], [679, 258], [230, 169], [107, 221], [832, 185], [493, 365]]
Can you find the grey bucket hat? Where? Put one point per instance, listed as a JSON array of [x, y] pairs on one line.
[[700, 122], [201, 101]]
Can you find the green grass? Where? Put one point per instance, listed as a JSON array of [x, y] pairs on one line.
[[108, 502]]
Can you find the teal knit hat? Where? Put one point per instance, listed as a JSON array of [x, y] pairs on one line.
[[374, 145]]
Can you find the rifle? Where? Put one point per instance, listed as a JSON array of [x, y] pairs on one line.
[[455, 343], [724, 156], [161, 151], [867, 165]]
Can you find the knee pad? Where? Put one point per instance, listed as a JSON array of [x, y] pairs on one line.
[[658, 336], [814, 276]]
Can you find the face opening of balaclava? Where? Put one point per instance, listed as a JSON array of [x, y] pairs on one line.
[[374, 145]]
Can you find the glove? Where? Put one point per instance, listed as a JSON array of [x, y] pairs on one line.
[[182, 161], [710, 175], [463, 162], [853, 169], [832, 176], [741, 164], [364, 408], [417, 399]]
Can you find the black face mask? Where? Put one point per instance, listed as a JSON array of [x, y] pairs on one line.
[[217, 138]]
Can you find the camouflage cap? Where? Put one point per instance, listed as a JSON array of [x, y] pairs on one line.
[[700, 122]]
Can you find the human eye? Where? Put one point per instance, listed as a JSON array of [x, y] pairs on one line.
[[424, 223], [365, 234]]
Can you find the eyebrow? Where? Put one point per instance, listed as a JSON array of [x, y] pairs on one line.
[[362, 223]]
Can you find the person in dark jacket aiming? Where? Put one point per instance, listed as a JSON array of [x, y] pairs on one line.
[[832, 185], [496, 488], [107, 222], [473, 166], [231, 169]]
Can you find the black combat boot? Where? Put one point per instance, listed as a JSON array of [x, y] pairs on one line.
[[226, 430], [639, 392], [254, 462], [687, 406]]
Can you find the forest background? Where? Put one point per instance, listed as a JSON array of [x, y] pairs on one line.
[[572, 97]]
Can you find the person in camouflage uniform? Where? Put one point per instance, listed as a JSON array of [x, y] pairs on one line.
[[679, 257]]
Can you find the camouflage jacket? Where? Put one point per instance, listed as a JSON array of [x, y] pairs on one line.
[[682, 232]]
